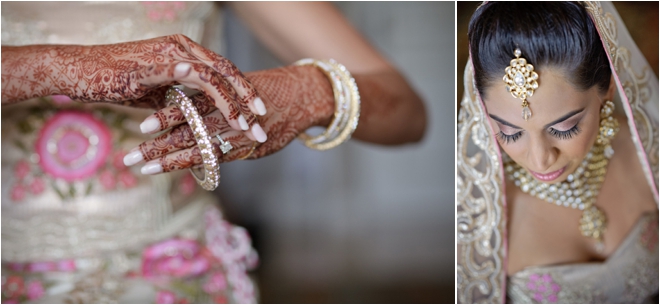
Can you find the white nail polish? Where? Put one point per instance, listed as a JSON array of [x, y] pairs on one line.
[[243, 123], [153, 167], [150, 125], [182, 69], [259, 105], [132, 158], [259, 133]]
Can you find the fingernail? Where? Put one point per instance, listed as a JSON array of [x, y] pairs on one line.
[[259, 133], [243, 123], [150, 125], [182, 69], [259, 105], [152, 167], [132, 158]]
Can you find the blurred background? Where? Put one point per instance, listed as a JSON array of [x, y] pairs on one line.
[[641, 19], [360, 223]]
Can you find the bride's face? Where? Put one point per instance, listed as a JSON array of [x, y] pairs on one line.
[[559, 134]]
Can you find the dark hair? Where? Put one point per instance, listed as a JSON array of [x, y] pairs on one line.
[[549, 34]]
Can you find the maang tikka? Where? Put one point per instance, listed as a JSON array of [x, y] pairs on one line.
[[521, 81]]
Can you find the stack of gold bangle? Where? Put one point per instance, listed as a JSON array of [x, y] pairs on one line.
[[347, 105], [211, 168]]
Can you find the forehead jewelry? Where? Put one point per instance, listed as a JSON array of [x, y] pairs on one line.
[[521, 81]]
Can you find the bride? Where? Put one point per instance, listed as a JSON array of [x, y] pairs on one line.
[[557, 158]]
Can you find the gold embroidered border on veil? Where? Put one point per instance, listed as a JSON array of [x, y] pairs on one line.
[[481, 202]]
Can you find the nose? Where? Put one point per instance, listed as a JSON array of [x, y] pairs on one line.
[[542, 155]]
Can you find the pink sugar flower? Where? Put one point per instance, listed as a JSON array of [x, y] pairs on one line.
[[127, 179], [538, 297], [154, 15], [215, 283], [107, 179], [165, 297], [37, 186], [118, 159], [18, 192], [73, 145], [174, 258], [14, 287], [22, 169], [35, 290]]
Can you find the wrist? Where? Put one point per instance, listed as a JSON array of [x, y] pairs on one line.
[[325, 101], [305, 89]]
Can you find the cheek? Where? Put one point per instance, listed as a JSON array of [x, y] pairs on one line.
[[515, 150], [578, 147]]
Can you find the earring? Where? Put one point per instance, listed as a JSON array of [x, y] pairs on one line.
[[608, 128]]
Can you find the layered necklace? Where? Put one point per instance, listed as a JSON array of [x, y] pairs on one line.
[[581, 188]]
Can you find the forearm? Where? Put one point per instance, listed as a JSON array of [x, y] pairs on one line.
[[33, 71], [391, 112]]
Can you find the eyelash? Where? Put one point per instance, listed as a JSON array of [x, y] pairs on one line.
[[563, 135], [506, 138]]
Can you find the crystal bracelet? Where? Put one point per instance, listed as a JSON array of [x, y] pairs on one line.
[[211, 168], [347, 105]]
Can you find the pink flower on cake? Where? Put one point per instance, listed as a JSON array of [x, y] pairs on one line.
[[13, 287], [165, 297], [35, 290], [118, 159], [18, 192], [22, 169], [37, 186], [107, 179], [215, 283], [176, 258], [127, 179], [73, 145]]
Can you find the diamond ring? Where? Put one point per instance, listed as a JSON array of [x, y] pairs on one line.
[[225, 146]]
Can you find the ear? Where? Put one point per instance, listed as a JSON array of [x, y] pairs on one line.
[[609, 95]]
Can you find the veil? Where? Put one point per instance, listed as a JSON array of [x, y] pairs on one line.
[[481, 202]]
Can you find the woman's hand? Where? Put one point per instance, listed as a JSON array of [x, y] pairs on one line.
[[135, 74], [296, 97]]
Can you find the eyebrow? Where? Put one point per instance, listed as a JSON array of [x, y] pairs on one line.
[[564, 118], [559, 120]]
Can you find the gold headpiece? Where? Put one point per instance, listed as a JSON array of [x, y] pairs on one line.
[[520, 80]]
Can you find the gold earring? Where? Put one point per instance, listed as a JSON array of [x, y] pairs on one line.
[[608, 128], [521, 81]]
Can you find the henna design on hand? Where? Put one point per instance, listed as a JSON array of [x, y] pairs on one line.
[[300, 97], [133, 73]]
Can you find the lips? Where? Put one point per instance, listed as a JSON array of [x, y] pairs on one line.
[[549, 176]]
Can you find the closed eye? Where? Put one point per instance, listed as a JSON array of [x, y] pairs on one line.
[[564, 134], [506, 137]]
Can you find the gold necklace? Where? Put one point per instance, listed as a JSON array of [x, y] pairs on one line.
[[581, 188]]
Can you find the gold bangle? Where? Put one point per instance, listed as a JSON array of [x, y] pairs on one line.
[[254, 146], [211, 177], [347, 105]]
